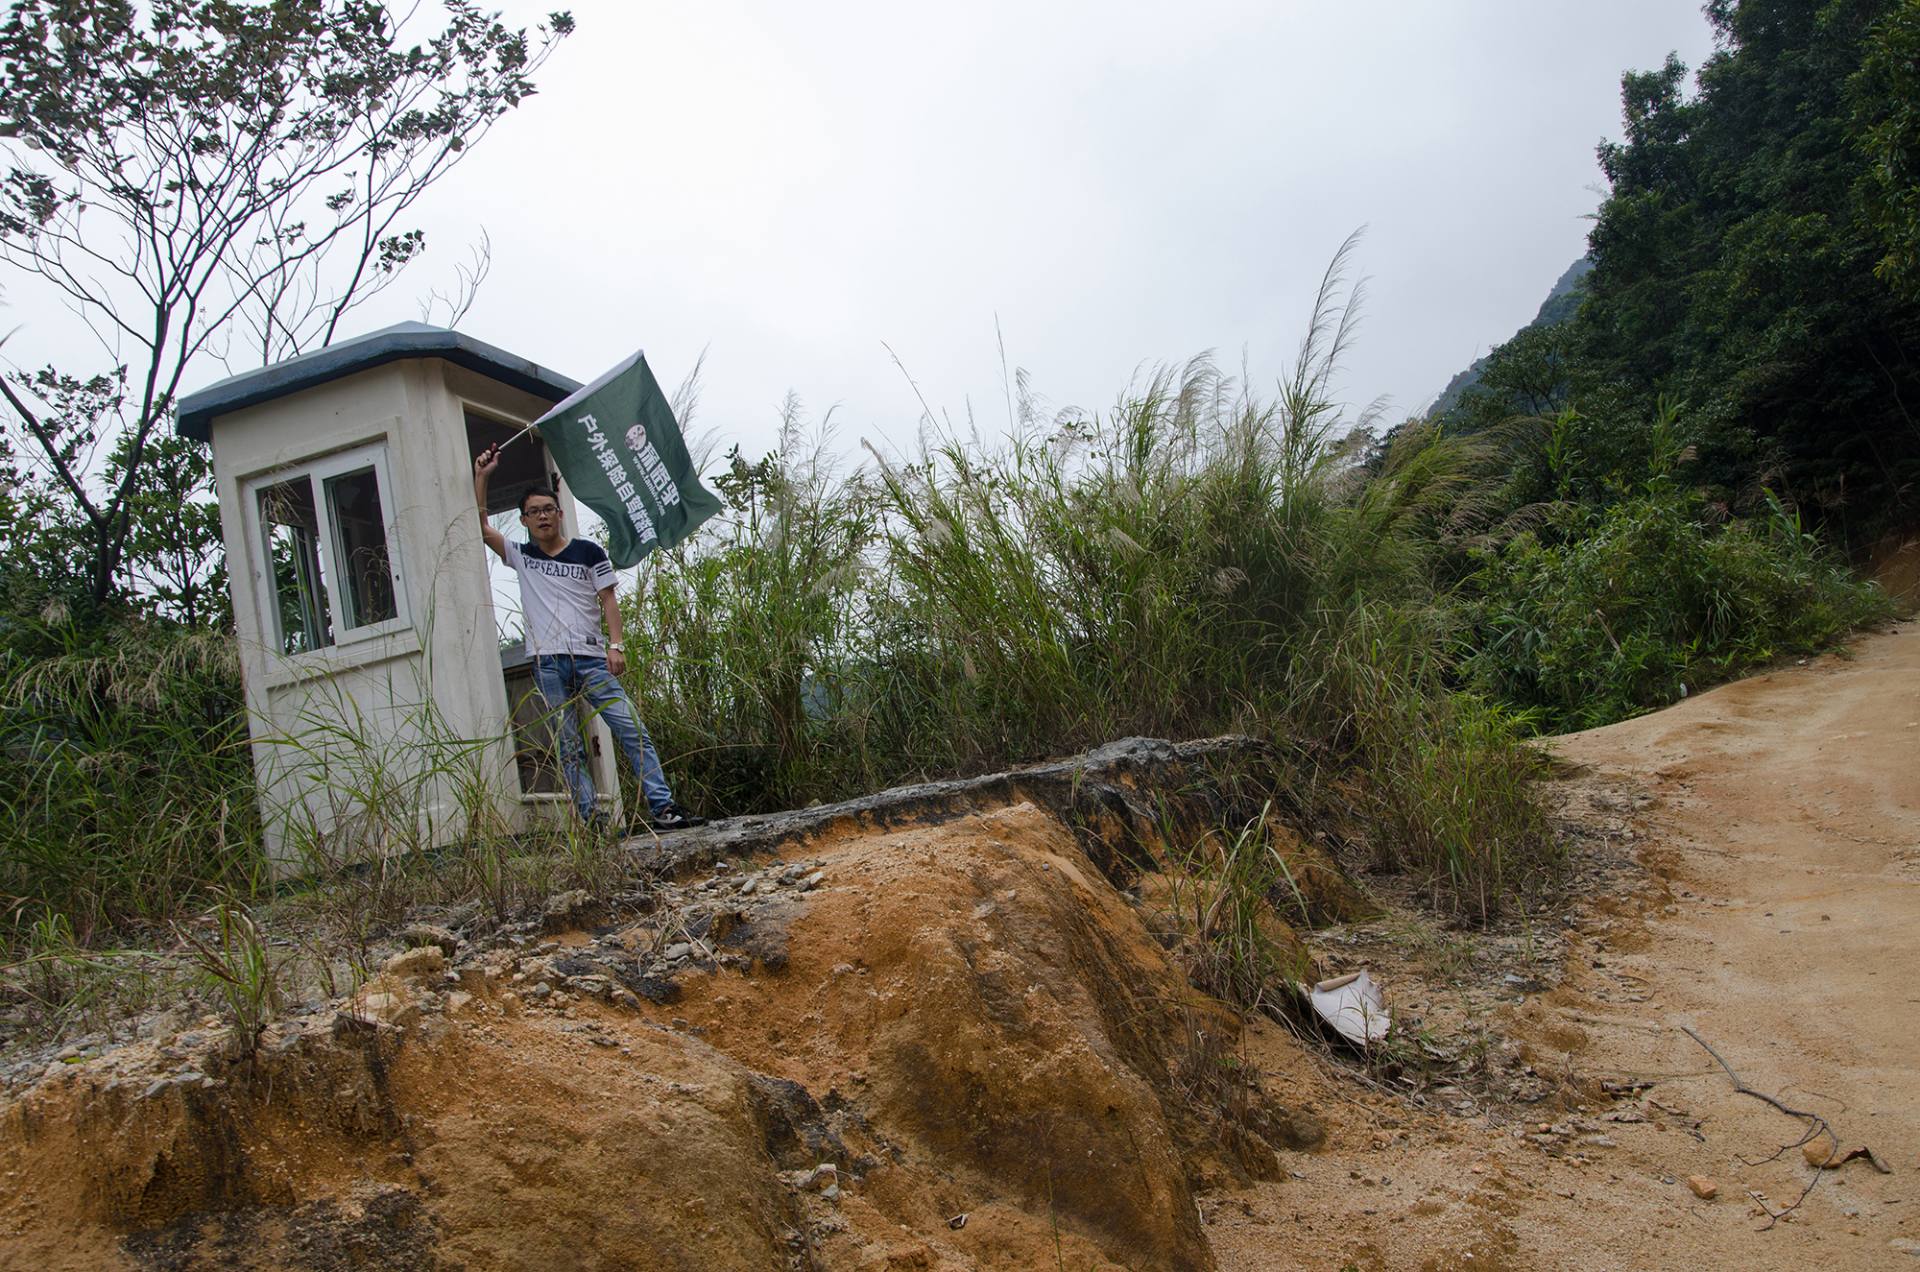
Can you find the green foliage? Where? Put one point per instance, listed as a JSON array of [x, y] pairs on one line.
[[1536, 394], [233, 961], [755, 645], [175, 555], [1607, 612], [62, 983], [1735, 261], [211, 180], [125, 786], [1885, 98], [1223, 893]]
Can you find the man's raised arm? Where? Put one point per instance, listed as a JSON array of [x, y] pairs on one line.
[[483, 465]]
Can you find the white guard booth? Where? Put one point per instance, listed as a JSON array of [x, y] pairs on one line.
[[389, 708]]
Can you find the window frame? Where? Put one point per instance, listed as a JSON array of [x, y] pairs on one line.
[[317, 472]]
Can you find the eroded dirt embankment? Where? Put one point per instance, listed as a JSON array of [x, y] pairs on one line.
[[940, 997]]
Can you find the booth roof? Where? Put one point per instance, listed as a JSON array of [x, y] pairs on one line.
[[195, 414]]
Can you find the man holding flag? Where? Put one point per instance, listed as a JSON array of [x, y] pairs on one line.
[[617, 444]]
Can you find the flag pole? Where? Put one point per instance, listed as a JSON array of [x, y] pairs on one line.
[[531, 428]]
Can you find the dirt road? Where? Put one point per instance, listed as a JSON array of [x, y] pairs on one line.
[[1780, 920]]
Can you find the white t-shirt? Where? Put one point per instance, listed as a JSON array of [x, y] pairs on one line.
[[560, 596]]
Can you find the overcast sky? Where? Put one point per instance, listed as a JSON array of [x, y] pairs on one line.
[[794, 187]]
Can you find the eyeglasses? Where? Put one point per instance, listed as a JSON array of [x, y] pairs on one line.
[[547, 510]]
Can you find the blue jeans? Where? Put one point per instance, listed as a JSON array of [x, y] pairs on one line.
[[563, 678]]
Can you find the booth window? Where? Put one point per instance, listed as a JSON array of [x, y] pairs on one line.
[[326, 536]]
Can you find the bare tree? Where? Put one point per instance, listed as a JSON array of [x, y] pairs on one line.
[[223, 179]]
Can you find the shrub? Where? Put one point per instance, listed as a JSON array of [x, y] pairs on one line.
[[1608, 612]]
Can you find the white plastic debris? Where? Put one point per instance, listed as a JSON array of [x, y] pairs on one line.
[[1353, 1007]]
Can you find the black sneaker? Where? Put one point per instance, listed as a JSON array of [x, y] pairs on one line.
[[674, 817]]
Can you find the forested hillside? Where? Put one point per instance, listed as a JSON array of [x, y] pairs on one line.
[[1560, 305], [1755, 272]]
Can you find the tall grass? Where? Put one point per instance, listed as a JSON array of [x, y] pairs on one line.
[[751, 648], [1198, 559], [125, 783]]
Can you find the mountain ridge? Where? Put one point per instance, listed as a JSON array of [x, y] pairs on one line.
[[1561, 304]]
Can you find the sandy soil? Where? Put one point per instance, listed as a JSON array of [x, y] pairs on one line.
[[949, 1045], [1778, 917]]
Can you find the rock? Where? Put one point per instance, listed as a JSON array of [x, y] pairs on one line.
[[458, 1002], [655, 989], [1703, 1188], [423, 962], [567, 910], [541, 991], [1069, 1036], [388, 1009], [1905, 1245], [815, 879], [627, 999], [418, 934], [679, 949], [1820, 1150], [823, 1179]]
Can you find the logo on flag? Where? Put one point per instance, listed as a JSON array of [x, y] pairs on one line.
[[620, 449]]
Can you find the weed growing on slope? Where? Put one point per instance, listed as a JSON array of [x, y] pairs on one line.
[[232, 959], [1230, 889]]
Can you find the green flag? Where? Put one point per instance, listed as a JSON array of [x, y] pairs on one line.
[[618, 446]]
